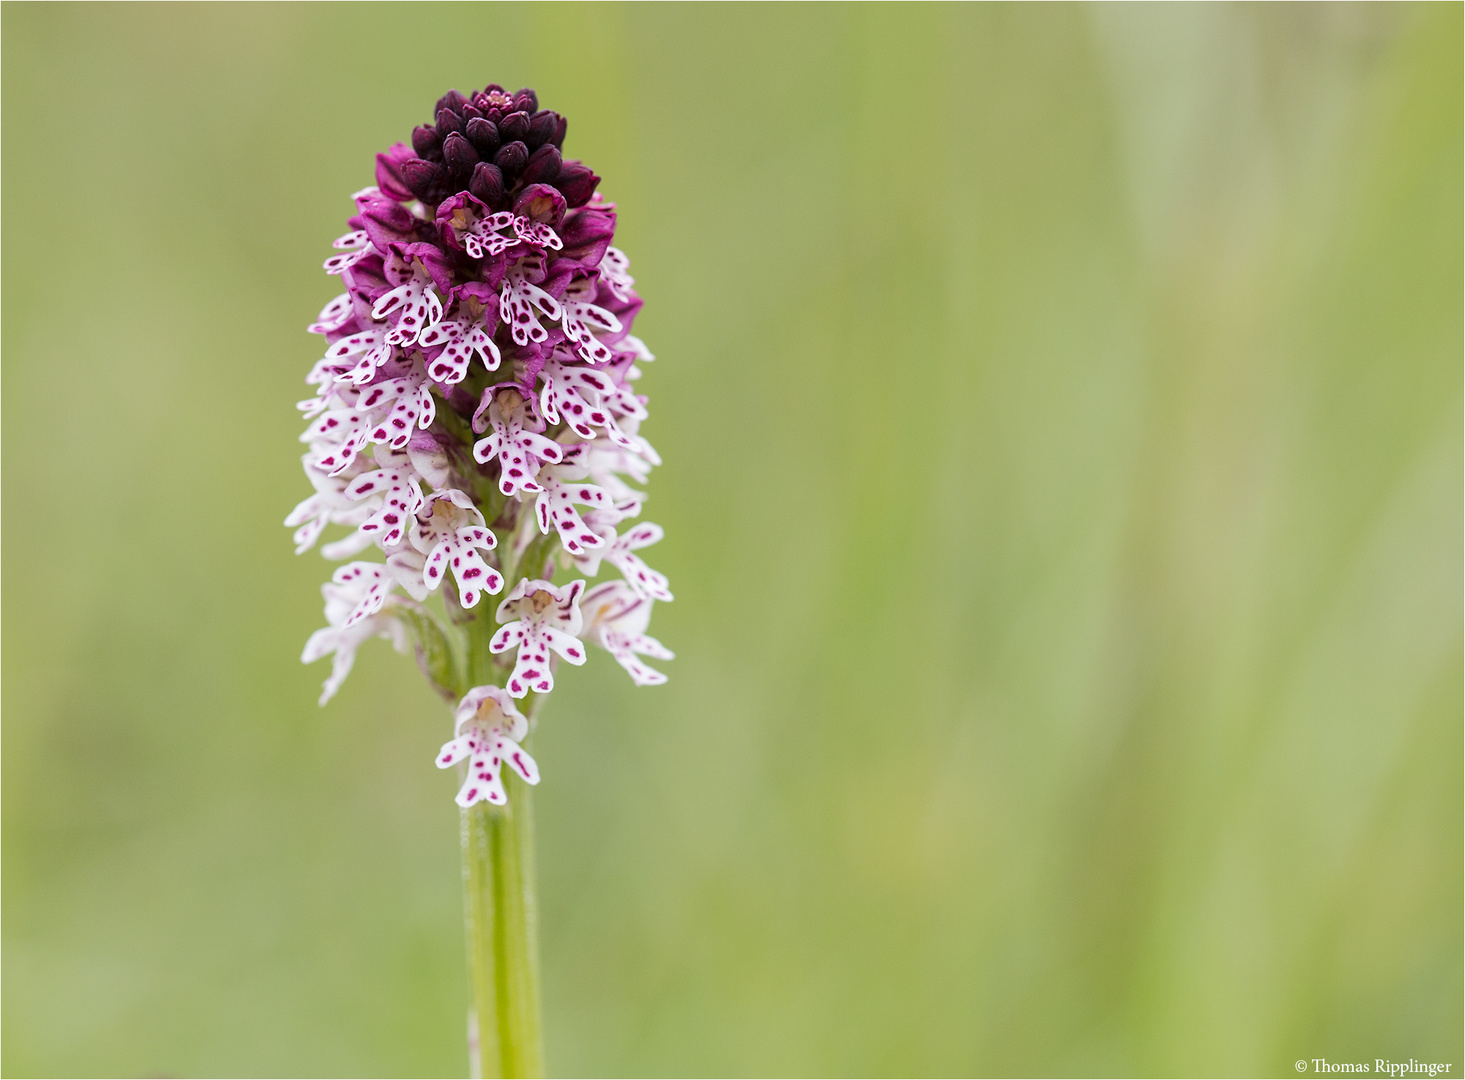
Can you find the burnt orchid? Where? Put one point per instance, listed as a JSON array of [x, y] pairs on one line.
[[475, 426]]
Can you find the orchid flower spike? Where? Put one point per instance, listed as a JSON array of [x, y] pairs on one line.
[[475, 428]]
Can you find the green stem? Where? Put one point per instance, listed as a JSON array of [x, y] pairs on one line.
[[500, 911], [498, 881]]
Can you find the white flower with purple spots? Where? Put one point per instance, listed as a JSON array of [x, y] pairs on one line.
[[572, 393], [462, 336], [450, 531], [548, 619], [579, 314], [400, 406], [342, 599], [520, 299], [340, 434], [519, 450], [369, 583], [537, 233], [355, 245], [482, 238], [333, 316], [330, 505], [488, 730], [615, 273], [357, 356], [415, 305], [554, 507], [396, 490], [620, 552], [616, 620]]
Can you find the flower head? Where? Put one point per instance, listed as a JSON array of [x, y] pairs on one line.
[[474, 417]]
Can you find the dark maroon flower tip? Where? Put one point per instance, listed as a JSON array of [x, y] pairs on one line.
[[577, 182], [487, 184], [514, 127], [459, 155], [426, 141], [511, 157], [447, 122], [541, 129], [483, 135], [542, 167], [494, 144], [422, 177]]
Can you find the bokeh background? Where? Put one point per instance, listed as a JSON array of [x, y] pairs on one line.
[[1061, 409]]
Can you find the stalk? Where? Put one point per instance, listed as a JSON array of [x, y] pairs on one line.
[[503, 954]]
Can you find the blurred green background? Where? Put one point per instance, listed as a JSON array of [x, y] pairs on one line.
[[1061, 409]]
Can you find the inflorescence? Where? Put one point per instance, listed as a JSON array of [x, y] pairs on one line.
[[475, 422]]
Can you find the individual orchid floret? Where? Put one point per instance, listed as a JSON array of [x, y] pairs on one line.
[[333, 316], [489, 729], [579, 314], [368, 584], [416, 306], [464, 335], [355, 246], [396, 488], [330, 505], [620, 552], [548, 618], [520, 298], [615, 274], [449, 530], [564, 485], [519, 450], [572, 394], [616, 620], [484, 238], [536, 233], [342, 600], [340, 434], [399, 405], [357, 356]]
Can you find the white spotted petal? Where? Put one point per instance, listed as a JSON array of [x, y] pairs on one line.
[[488, 731], [450, 531], [548, 620]]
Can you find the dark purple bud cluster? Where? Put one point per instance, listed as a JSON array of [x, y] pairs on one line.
[[493, 145]]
